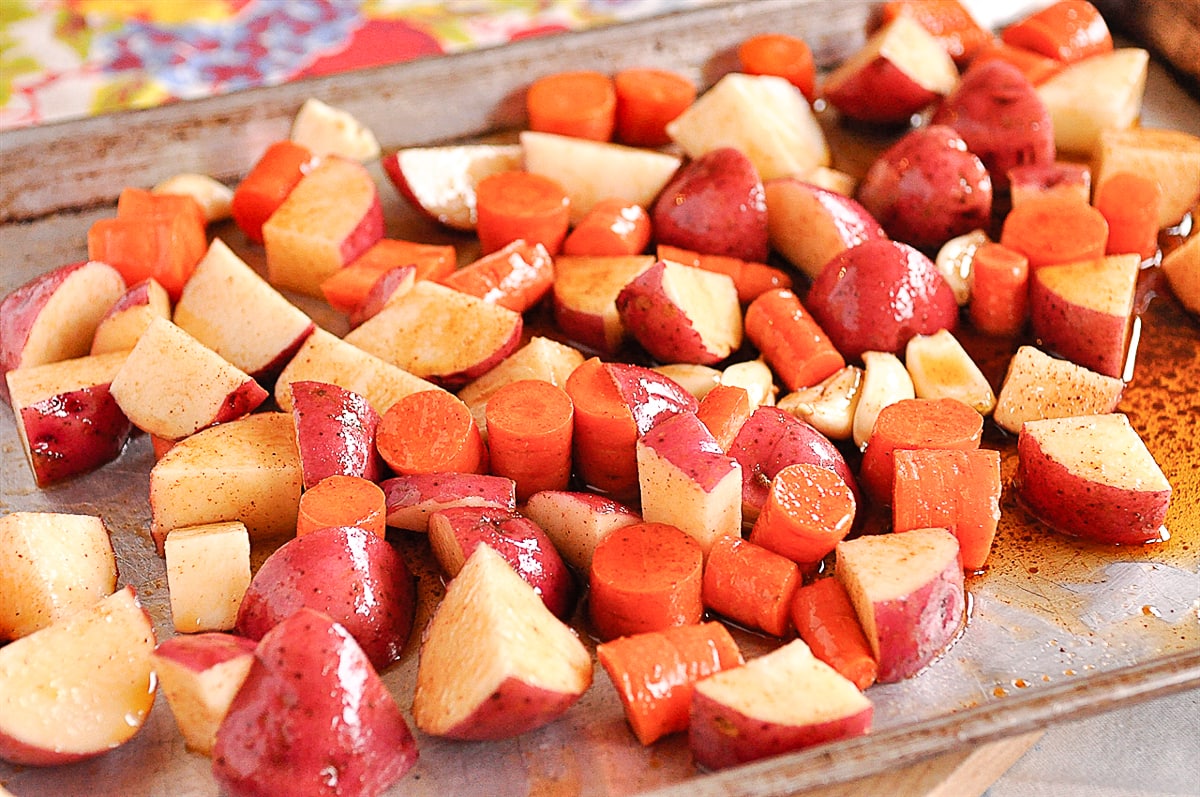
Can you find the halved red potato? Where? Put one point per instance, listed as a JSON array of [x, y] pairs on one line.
[[576, 522], [199, 675], [440, 181], [129, 316], [335, 433], [808, 224], [585, 297], [412, 498]]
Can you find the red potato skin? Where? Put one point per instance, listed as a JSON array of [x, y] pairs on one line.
[[74, 432], [242, 401], [1001, 118], [346, 572], [412, 498], [917, 627], [880, 93], [670, 336], [878, 295], [715, 205], [720, 736], [18, 313], [1082, 335], [770, 441], [335, 433], [521, 542], [495, 719], [310, 681], [1080, 508], [928, 188]]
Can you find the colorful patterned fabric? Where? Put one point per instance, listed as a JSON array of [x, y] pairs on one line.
[[62, 59]]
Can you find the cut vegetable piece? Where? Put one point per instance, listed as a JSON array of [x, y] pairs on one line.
[[340, 500], [825, 619], [791, 342], [208, 571], [440, 181], [809, 510], [585, 297], [750, 585], [430, 432], [941, 368], [129, 315], [515, 276], [831, 405], [577, 522], [411, 500], [1100, 93], [1038, 386], [199, 676], [335, 432], [530, 425], [647, 101], [326, 130], [520, 205]]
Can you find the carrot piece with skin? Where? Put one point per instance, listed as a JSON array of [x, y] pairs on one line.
[[341, 500], [999, 290], [515, 276], [781, 55], [750, 278], [790, 340], [581, 104], [518, 205], [266, 186], [1036, 68], [1068, 31], [604, 449], [750, 585], [346, 288], [654, 673], [809, 510], [645, 577], [948, 21], [915, 423], [647, 101], [825, 619], [954, 490], [612, 227], [723, 410], [1053, 229], [430, 431], [1130, 204], [529, 426]]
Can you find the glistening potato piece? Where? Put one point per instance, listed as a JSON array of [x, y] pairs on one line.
[[199, 675], [1039, 386]]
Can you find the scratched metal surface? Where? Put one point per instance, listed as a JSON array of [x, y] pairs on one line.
[[1058, 628]]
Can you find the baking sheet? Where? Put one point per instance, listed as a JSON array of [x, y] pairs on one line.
[[1058, 628]]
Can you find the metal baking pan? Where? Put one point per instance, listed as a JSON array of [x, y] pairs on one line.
[[1058, 628]]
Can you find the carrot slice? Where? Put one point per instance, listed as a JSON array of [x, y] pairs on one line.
[[521, 205], [529, 425], [1054, 229], [347, 287], [999, 290], [645, 577], [160, 237], [791, 341], [750, 585], [136, 202], [654, 673], [1068, 31], [581, 104], [825, 619], [647, 101], [723, 410], [954, 490], [266, 186], [605, 434], [783, 56], [1130, 204], [750, 278], [809, 510], [1036, 68], [430, 431], [611, 227], [340, 500], [947, 20], [915, 423], [515, 276]]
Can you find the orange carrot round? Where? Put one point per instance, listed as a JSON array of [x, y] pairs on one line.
[[791, 342], [515, 276], [430, 431], [915, 423], [611, 227], [580, 104], [654, 672], [723, 410], [529, 424], [783, 56], [604, 449], [645, 577], [1068, 31], [266, 186], [750, 585], [647, 101], [999, 290], [521, 205], [342, 501], [1130, 203], [1054, 229], [750, 278], [825, 619], [809, 510]]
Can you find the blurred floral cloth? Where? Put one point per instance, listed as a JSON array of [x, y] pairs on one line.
[[62, 59]]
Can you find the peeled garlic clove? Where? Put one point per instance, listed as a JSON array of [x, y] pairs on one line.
[[955, 260], [695, 379], [941, 368], [215, 199], [756, 378], [885, 381], [829, 406]]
